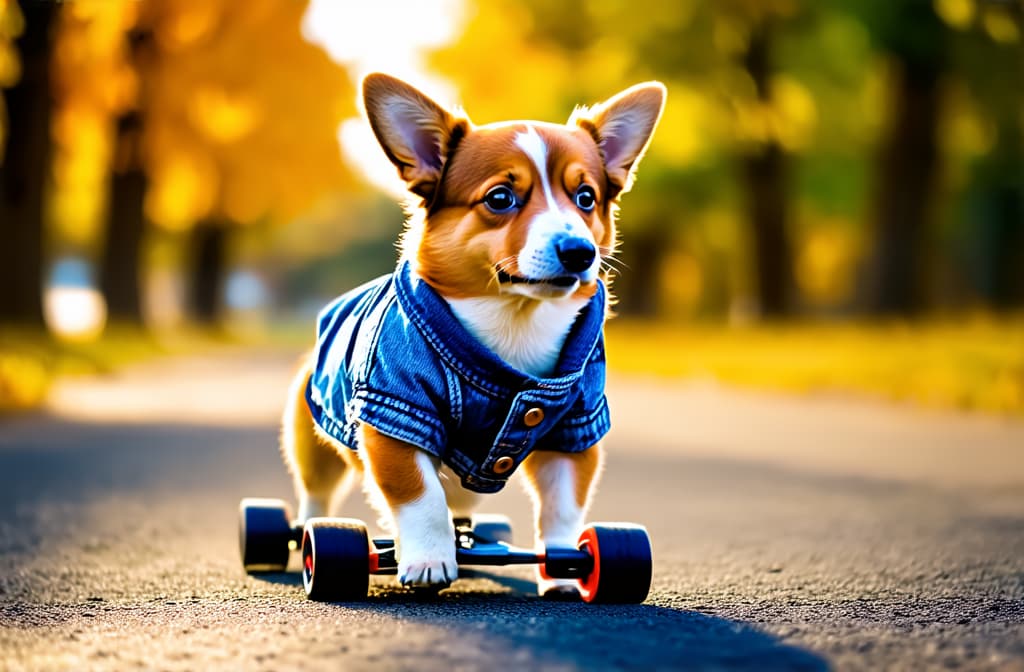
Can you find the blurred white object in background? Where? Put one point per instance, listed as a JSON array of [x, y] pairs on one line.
[[73, 308]]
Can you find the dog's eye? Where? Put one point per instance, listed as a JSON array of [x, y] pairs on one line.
[[585, 198], [500, 200]]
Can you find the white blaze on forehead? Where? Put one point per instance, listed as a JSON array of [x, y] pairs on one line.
[[538, 259], [531, 143]]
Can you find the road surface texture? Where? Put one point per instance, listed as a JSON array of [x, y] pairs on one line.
[[804, 534]]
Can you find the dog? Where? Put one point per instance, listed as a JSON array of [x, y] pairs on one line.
[[483, 353]]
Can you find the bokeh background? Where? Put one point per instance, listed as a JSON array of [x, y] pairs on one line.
[[834, 200]]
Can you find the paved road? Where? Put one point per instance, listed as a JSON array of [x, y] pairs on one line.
[[789, 534]]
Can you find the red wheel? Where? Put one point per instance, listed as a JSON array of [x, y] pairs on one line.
[[622, 563], [335, 559]]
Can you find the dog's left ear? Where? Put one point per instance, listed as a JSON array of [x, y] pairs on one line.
[[416, 133], [622, 126]]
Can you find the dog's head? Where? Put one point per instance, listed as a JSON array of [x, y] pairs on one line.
[[519, 207]]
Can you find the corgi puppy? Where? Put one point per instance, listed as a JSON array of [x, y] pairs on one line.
[[483, 353]]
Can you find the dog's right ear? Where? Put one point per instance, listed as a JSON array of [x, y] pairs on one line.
[[417, 134]]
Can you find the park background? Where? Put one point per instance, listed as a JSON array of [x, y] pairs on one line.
[[833, 203]]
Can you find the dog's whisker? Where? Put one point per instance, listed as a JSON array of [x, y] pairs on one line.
[[615, 262], [501, 266]]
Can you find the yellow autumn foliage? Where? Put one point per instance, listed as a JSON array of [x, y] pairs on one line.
[[240, 113], [971, 364]]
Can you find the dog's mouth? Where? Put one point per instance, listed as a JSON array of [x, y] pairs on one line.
[[563, 281]]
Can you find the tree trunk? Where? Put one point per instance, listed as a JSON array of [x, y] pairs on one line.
[[1008, 255], [997, 215], [765, 178], [24, 169], [208, 270], [120, 277], [907, 165]]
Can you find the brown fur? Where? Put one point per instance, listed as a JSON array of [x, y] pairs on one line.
[[392, 463]]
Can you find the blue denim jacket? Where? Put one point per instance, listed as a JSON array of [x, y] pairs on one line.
[[393, 355]]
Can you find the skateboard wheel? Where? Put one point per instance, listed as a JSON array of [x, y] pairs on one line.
[[622, 563], [264, 531], [335, 559]]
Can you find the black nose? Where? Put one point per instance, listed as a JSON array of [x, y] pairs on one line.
[[576, 254]]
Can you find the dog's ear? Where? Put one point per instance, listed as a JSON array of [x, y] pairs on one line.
[[622, 126], [416, 133]]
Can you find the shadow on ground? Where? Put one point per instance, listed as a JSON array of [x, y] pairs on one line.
[[625, 636], [519, 625]]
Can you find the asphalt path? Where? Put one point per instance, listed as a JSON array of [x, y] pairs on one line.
[[809, 534]]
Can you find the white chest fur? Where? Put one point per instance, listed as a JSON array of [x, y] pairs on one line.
[[527, 334]]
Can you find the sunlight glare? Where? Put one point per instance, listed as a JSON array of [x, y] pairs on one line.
[[388, 36], [75, 313]]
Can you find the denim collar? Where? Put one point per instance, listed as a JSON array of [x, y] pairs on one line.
[[435, 320]]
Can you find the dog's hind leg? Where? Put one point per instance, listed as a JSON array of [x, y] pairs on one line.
[[322, 468]]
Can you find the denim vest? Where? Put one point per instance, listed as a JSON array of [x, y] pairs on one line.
[[393, 355]]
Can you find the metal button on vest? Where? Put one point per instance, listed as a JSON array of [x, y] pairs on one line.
[[533, 417], [503, 464]]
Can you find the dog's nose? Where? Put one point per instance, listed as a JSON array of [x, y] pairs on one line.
[[576, 254]]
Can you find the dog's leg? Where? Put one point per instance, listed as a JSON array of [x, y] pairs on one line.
[[561, 485], [408, 480], [317, 467], [461, 502]]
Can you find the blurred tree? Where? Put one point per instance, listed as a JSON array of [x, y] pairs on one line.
[[555, 56], [916, 40], [122, 248], [911, 121], [207, 254], [238, 133], [723, 102], [766, 182], [209, 123], [985, 132], [24, 161]]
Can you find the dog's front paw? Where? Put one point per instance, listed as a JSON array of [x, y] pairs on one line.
[[428, 571], [427, 560]]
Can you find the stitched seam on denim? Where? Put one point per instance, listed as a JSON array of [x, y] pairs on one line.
[[429, 426], [460, 463], [424, 443], [490, 481], [589, 418], [454, 395], [574, 440], [414, 413]]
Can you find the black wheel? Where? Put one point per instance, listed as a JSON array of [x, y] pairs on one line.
[[264, 531], [335, 559], [622, 563], [492, 527]]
